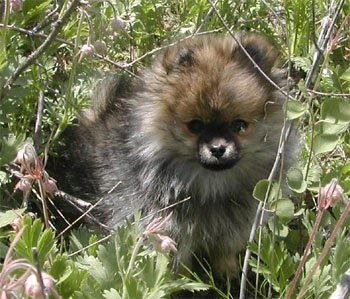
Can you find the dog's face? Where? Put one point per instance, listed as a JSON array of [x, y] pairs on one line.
[[212, 100]]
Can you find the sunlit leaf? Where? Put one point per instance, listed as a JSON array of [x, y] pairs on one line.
[[336, 111], [284, 209], [295, 179], [324, 143], [295, 109], [346, 75], [8, 217]]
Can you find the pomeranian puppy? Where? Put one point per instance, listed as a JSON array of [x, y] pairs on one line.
[[202, 124]]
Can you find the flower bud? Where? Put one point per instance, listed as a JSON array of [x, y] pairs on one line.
[[32, 286], [118, 25], [86, 51], [167, 244], [330, 194], [16, 5], [26, 155], [16, 224], [100, 47], [24, 185], [162, 243], [50, 186]]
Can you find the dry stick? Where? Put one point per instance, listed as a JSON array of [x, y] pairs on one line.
[[34, 34], [89, 210], [329, 94], [90, 245], [38, 122], [40, 50], [207, 17], [156, 50], [63, 41], [283, 137], [123, 67], [325, 250], [256, 66], [39, 273], [322, 42], [306, 253]]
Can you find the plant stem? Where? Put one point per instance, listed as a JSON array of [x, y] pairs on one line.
[[305, 254], [325, 249]]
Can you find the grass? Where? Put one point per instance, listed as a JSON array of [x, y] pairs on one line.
[[50, 53]]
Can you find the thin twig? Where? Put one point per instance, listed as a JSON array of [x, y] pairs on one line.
[[38, 272], [305, 254], [328, 94], [323, 39], [40, 50], [325, 250], [285, 131], [89, 210], [38, 122], [256, 66], [207, 17], [156, 50]]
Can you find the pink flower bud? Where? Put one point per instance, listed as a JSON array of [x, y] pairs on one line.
[[16, 5], [162, 243], [24, 185], [86, 51], [50, 186], [26, 156], [118, 25], [16, 224], [330, 194], [32, 286], [100, 47], [167, 244]]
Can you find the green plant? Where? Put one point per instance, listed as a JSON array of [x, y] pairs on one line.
[[51, 52]]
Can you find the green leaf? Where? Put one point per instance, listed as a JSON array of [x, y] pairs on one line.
[[34, 235], [335, 111], [94, 267], [330, 128], [295, 109], [46, 244], [284, 209], [8, 147], [295, 180], [3, 250], [111, 294], [3, 178], [263, 187], [324, 143], [8, 217], [260, 190], [346, 75], [278, 228]]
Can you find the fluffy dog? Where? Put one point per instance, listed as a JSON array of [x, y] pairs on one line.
[[202, 123]]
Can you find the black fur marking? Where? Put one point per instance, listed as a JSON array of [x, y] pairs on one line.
[[185, 57]]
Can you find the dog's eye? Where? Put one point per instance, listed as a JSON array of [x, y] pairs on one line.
[[195, 126], [239, 126]]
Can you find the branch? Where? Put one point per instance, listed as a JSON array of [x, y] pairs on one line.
[[323, 39], [57, 26]]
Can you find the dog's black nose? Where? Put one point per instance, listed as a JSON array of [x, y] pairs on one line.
[[217, 150]]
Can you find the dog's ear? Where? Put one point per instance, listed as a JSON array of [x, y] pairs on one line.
[[260, 49], [180, 59]]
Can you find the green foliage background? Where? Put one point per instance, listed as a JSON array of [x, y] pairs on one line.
[[42, 60]]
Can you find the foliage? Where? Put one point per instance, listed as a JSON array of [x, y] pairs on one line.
[[51, 52], [97, 268]]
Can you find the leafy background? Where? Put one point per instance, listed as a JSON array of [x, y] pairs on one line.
[[52, 52]]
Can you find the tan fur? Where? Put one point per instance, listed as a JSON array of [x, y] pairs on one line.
[[144, 137]]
